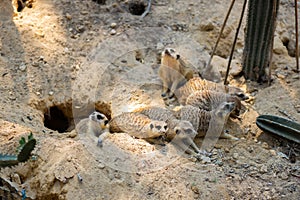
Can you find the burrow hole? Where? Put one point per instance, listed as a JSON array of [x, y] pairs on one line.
[[137, 7], [60, 117], [101, 2]]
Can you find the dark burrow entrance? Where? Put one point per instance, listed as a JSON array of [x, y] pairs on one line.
[[137, 7], [56, 120], [60, 117]]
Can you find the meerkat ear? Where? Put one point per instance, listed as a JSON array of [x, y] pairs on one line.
[[151, 126], [177, 56]]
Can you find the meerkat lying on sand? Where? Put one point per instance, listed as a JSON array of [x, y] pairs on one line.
[[180, 132], [138, 125]]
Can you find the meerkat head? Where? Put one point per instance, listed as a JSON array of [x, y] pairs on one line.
[[100, 118], [170, 52], [224, 109], [159, 127], [184, 129]]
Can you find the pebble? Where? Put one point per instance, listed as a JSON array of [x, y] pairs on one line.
[[263, 169], [235, 155], [51, 93], [68, 16], [80, 28], [205, 159], [159, 45], [22, 67], [265, 145], [101, 166], [113, 32], [113, 25], [195, 189], [16, 178], [72, 134], [207, 27], [273, 152]]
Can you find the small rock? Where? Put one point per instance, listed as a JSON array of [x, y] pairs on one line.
[[22, 67], [159, 45], [117, 175], [113, 32], [284, 176], [273, 152], [279, 48], [16, 178], [72, 134], [265, 145], [113, 25], [51, 93], [195, 189], [101, 166], [263, 169], [226, 150], [68, 16], [35, 64], [235, 155], [207, 27], [84, 12], [80, 28], [205, 159], [281, 76]]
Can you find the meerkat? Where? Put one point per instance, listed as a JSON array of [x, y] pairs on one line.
[[138, 125], [197, 84], [180, 132], [95, 126], [202, 119], [209, 100], [174, 72]]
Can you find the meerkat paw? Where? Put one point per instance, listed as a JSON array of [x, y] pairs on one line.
[[101, 138]]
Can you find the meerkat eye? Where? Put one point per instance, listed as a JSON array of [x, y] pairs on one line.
[[106, 122], [165, 127], [189, 131], [177, 131], [177, 56], [151, 126], [100, 117], [158, 127], [172, 50]]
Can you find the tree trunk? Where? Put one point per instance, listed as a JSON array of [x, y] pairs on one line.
[[259, 38]]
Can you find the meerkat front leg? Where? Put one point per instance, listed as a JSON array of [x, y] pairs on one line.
[[226, 135], [101, 138], [165, 90]]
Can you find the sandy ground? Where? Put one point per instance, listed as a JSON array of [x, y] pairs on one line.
[[61, 59]]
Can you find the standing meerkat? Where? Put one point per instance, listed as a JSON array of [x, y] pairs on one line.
[[95, 126], [209, 100], [138, 125], [202, 120], [197, 84], [174, 72], [180, 132]]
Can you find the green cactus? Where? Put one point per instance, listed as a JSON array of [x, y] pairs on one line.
[[24, 151], [259, 37]]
